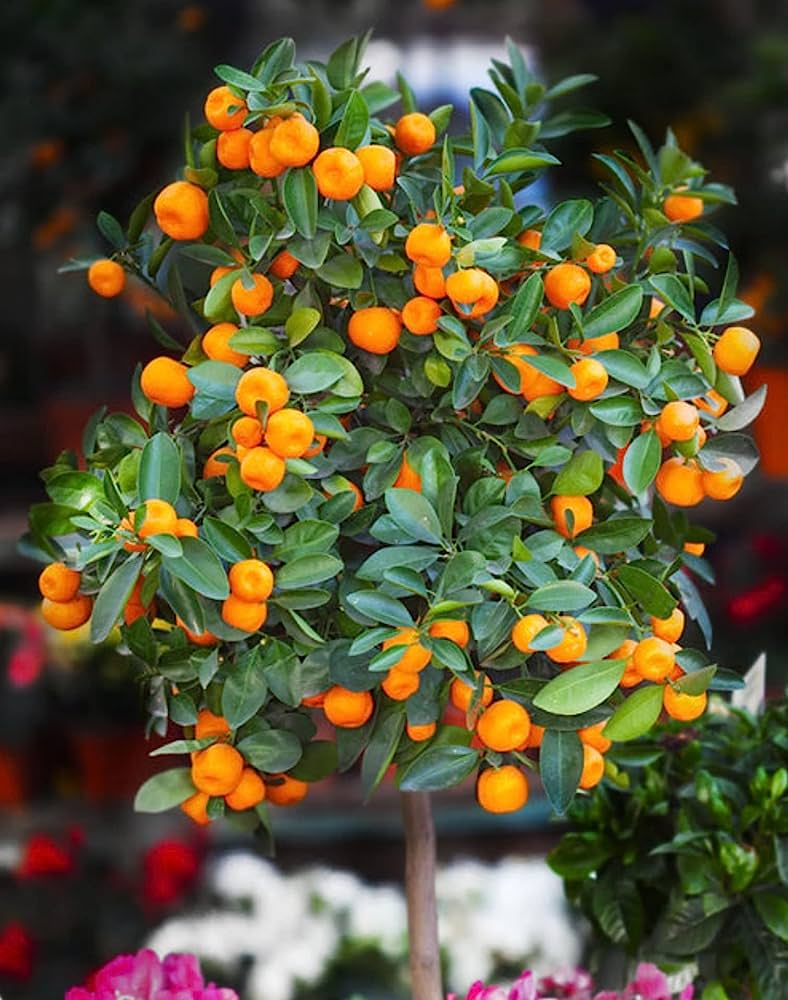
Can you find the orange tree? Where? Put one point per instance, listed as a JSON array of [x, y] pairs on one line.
[[402, 476]]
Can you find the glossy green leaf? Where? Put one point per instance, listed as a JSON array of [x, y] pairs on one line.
[[159, 474], [112, 598], [414, 514], [299, 194], [164, 790], [245, 689], [562, 595], [581, 476], [439, 767], [636, 715], [581, 688], [614, 313], [560, 767], [642, 460], [199, 568]]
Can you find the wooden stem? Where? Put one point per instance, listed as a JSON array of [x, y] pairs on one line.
[[425, 968]]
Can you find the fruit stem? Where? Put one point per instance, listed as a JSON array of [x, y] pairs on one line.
[[425, 967]]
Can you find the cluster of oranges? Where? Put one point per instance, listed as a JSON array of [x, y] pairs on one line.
[[63, 607], [251, 584]]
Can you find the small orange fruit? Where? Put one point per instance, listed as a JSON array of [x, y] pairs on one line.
[[232, 148], [195, 807], [591, 380], [407, 477], [160, 519], [262, 469], [581, 552], [604, 342], [209, 724], [526, 629], [601, 259], [473, 292], [251, 580], [348, 709], [247, 431], [215, 466], [399, 684], [67, 615], [379, 165], [349, 487], [203, 639], [217, 769], [695, 548], [452, 629], [653, 658], [593, 767], [669, 628], [461, 694], [712, 402], [421, 314], [428, 244], [165, 382], [684, 707], [314, 700], [680, 482], [429, 281], [186, 528], [736, 350], [528, 374], [592, 736], [415, 657], [725, 483], [682, 207], [216, 344], [504, 726], [678, 421], [295, 141], [284, 265], [573, 644], [375, 329], [289, 433], [107, 278], [565, 284], [535, 737], [502, 789], [58, 582], [218, 273], [414, 134], [339, 174], [581, 510], [530, 238], [282, 790], [248, 616], [181, 211], [419, 734], [217, 109], [248, 793], [261, 385], [261, 159], [252, 301]]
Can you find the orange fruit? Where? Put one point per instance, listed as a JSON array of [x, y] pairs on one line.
[[526, 629], [415, 657], [58, 582], [581, 510], [252, 301], [504, 726], [217, 769], [502, 789], [428, 244], [590, 380], [247, 431], [528, 373], [284, 265], [209, 724], [295, 141], [601, 259], [593, 767], [217, 109], [407, 477], [347, 709], [218, 273], [134, 607], [126, 524], [181, 211], [107, 278], [421, 314], [214, 467], [530, 238], [160, 519], [678, 421], [414, 134], [282, 790], [473, 292], [314, 700], [565, 284], [669, 628], [261, 385], [399, 684], [232, 148], [684, 707], [421, 733], [725, 483], [186, 528], [736, 350], [695, 548], [604, 342], [592, 737], [680, 482], [653, 658], [67, 615], [204, 639], [375, 329], [379, 165], [317, 446], [248, 616], [581, 552], [535, 737], [452, 629], [461, 694], [339, 174], [429, 281], [196, 807], [262, 469], [248, 793], [251, 580], [573, 644], [165, 382], [216, 344], [289, 433], [539, 385], [261, 159], [682, 207], [349, 487], [712, 402]]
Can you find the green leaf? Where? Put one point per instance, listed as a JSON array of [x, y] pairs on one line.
[[560, 767], [525, 307], [78, 490], [342, 271], [561, 595], [617, 411], [318, 761], [614, 313], [555, 369], [741, 448], [635, 716], [380, 608], [740, 416], [579, 855], [566, 219], [238, 78], [227, 542], [165, 790], [624, 367], [642, 461], [772, 908], [255, 340], [651, 595], [314, 372], [112, 598], [616, 535], [581, 688], [439, 767], [300, 323], [354, 124], [199, 568], [308, 570], [245, 689], [299, 193], [381, 749], [414, 514], [159, 475], [568, 84], [696, 682], [517, 160], [273, 750], [215, 382], [581, 476], [305, 537], [672, 291]]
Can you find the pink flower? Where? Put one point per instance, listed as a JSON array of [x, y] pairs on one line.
[[573, 984], [144, 977], [650, 983], [182, 972]]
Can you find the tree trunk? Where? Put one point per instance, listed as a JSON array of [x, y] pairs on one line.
[[425, 966]]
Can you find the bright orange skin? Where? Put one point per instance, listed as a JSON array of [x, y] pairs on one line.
[[428, 244], [680, 482], [295, 142], [247, 431], [723, 484], [504, 726], [289, 433], [593, 767], [248, 616], [232, 148], [591, 380], [592, 737], [203, 639], [582, 513], [526, 629], [348, 709], [415, 656], [218, 273], [421, 314], [261, 385], [695, 548], [314, 700], [679, 421], [535, 737], [565, 284], [217, 769], [453, 630], [58, 582], [429, 281], [213, 467], [407, 477], [684, 707], [67, 615], [376, 329], [284, 265], [248, 793], [473, 292], [165, 382], [351, 488], [654, 659], [317, 446], [528, 373], [261, 159], [712, 403], [107, 278], [216, 345], [530, 238], [736, 350], [209, 724], [573, 644], [461, 694], [181, 211], [216, 108], [339, 174], [288, 792], [670, 628], [605, 342], [251, 580], [195, 807], [602, 259], [134, 607], [400, 684], [502, 789], [414, 134], [252, 301], [419, 734], [581, 552], [160, 519], [186, 528], [379, 164], [682, 207]]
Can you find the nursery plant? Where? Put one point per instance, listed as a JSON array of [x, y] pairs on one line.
[[400, 478]]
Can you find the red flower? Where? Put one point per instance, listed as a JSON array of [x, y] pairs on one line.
[[16, 952], [44, 856], [170, 868]]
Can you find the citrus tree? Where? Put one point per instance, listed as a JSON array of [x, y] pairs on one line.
[[401, 478]]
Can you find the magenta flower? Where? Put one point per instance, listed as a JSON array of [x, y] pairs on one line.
[[145, 977], [649, 984]]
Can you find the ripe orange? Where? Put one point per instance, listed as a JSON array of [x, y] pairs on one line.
[[530, 238], [526, 629], [684, 707], [284, 265], [461, 694], [181, 211], [232, 148], [678, 421], [295, 141], [407, 477], [252, 301], [379, 165], [602, 259], [454, 630], [339, 174], [421, 733], [209, 724], [107, 278], [214, 467], [399, 684], [261, 159], [415, 657], [429, 281], [248, 793], [216, 344], [590, 380], [473, 292], [573, 644], [725, 483], [160, 519], [712, 402], [186, 528], [196, 807], [248, 616], [581, 510], [736, 350], [421, 314], [67, 615], [262, 469], [502, 789], [58, 582], [350, 487], [247, 431], [528, 373], [504, 726], [566, 283], [604, 342], [593, 767], [414, 134], [653, 658], [695, 548], [204, 639], [682, 207], [289, 433], [680, 482], [165, 382], [535, 737], [134, 607], [375, 329], [669, 628], [217, 109], [314, 700], [428, 244], [218, 273], [251, 580], [282, 790], [348, 709], [217, 769], [592, 737], [261, 385]]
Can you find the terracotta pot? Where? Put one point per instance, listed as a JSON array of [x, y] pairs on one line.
[[770, 426]]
